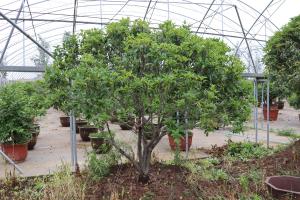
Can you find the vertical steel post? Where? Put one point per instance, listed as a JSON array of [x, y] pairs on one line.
[[254, 104], [268, 113], [256, 111], [74, 143], [262, 103], [186, 136], [71, 137], [23, 40]]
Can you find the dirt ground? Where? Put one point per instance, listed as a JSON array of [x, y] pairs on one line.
[[53, 146], [171, 182]]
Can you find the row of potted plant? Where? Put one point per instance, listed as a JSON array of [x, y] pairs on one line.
[[20, 104]]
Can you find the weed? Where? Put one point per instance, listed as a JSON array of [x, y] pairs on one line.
[[99, 165], [247, 150]]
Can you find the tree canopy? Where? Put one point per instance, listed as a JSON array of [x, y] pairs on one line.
[[282, 59], [151, 74]]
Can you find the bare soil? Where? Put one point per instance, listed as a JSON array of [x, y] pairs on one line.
[[171, 182]]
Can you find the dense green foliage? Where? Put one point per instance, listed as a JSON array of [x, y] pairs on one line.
[[20, 103], [130, 69], [247, 150], [282, 56]]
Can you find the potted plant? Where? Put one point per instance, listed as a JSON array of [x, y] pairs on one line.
[[15, 122], [80, 123], [34, 135], [37, 104], [177, 137], [85, 132], [127, 122], [99, 142], [64, 121], [274, 93]]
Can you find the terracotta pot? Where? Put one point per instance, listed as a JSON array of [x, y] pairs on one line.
[[16, 152], [273, 112], [284, 186], [280, 105], [65, 121], [80, 123], [33, 140], [85, 131], [181, 142], [99, 145]]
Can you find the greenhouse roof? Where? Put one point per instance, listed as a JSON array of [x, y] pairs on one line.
[[243, 25]]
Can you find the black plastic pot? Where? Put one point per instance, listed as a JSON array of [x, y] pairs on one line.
[[280, 186]]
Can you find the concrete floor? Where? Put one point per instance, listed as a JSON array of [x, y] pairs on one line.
[[53, 146]]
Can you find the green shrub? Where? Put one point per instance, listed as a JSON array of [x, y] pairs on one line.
[[15, 117], [247, 150], [99, 165]]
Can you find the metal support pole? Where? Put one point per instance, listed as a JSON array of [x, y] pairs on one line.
[[245, 38], [24, 33], [205, 15], [11, 162], [268, 113], [254, 104], [254, 24], [262, 102], [256, 112], [11, 33], [147, 10], [74, 144], [23, 37], [186, 136], [71, 137]]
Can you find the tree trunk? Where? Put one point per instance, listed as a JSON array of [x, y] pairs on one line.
[[145, 165]]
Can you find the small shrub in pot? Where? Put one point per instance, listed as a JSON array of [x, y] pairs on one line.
[[15, 122]]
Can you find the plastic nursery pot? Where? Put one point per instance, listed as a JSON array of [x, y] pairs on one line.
[[16, 152], [65, 121], [284, 186], [85, 132], [33, 140], [79, 123], [99, 145], [280, 105], [273, 112], [182, 142]]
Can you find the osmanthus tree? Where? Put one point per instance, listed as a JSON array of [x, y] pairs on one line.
[[151, 75], [282, 59]]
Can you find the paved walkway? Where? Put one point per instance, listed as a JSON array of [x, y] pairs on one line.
[[53, 146]]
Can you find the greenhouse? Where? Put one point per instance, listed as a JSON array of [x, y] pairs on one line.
[[149, 99]]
